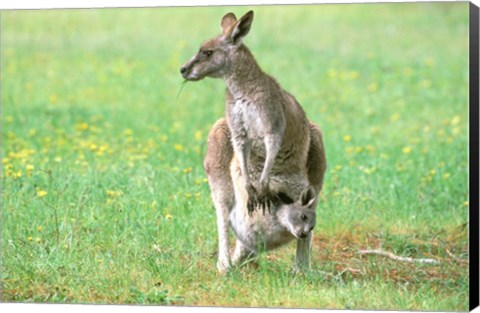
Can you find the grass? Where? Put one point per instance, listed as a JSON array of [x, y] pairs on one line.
[[104, 199]]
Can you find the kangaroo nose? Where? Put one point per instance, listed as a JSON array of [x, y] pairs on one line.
[[183, 69], [303, 235]]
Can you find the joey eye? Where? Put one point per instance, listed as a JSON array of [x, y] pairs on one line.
[[303, 217]]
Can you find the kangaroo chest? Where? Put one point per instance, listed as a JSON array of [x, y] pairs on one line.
[[249, 120]]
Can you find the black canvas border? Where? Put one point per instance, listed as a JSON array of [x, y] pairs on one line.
[[474, 156]]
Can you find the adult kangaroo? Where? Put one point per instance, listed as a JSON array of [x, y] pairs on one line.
[[277, 149]]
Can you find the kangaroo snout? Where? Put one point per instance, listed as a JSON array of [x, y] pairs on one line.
[[186, 71]]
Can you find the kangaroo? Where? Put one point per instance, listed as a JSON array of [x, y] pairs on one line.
[[229, 199], [267, 131], [270, 132]]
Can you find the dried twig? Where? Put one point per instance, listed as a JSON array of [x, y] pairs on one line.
[[457, 259], [398, 258]]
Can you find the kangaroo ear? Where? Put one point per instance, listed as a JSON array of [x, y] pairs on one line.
[[308, 197], [228, 20], [240, 29]]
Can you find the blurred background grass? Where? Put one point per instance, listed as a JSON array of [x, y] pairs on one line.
[[104, 198]]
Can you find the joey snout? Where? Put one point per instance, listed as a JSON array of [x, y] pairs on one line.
[[305, 233]]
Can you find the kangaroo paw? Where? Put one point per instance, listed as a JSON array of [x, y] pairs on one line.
[[252, 199], [265, 200]]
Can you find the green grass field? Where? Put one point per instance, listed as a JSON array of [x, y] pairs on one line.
[[104, 198]]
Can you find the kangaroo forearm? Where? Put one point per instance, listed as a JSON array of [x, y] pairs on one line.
[[241, 146], [273, 143]]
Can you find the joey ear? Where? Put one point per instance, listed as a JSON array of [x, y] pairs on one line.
[[284, 198], [240, 29], [308, 196], [228, 20]]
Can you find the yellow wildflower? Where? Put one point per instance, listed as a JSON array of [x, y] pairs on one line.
[[353, 75], [53, 99], [373, 87], [455, 120], [407, 150], [103, 148], [347, 138], [430, 62], [425, 83], [370, 148], [32, 132], [198, 135], [332, 73], [187, 170], [82, 126], [92, 147], [178, 147], [395, 117], [375, 130], [153, 205], [41, 193], [168, 216], [114, 193], [408, 72], [163, 138]]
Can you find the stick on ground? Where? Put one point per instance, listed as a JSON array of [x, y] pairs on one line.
[[398, 258]]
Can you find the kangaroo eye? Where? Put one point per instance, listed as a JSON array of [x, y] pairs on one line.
[[304, 217], [207, 53]]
